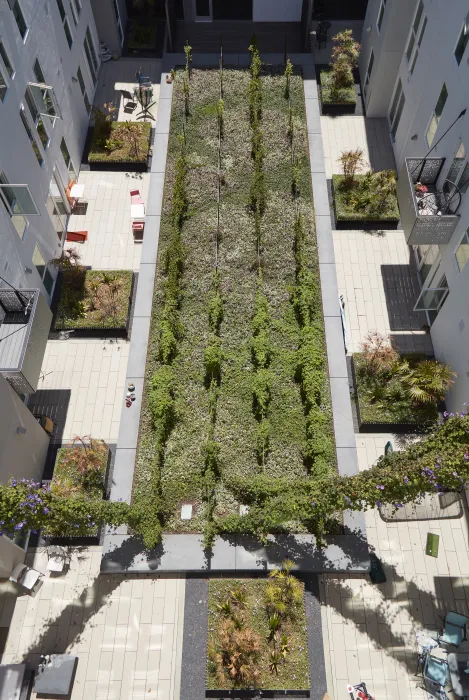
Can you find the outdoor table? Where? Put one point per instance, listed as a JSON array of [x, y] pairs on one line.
[[56, 678], [137, 211]]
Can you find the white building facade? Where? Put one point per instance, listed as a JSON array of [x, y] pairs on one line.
[[51, 43], [414, 69]]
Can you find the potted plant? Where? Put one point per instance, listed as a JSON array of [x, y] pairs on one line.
[[171, 75], [420, 189]]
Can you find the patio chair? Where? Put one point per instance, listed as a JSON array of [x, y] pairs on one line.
[[136, 197], [435, 675], [454, 630], [131, 104], [58, 559], [27, 578]]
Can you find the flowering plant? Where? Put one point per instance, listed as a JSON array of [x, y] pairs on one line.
[[423, 189]]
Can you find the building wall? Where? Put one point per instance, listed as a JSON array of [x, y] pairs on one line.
[[388, 45], [106, 23], [46, 41], [21, 455], [277, 10], [10, 556], [436, 64]]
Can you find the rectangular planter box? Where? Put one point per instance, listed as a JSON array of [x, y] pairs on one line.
[[352, 223]]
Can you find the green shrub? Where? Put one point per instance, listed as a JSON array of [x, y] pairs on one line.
[[161, 400], [113, 142], [361, 202], [261, 391], [213, 358]]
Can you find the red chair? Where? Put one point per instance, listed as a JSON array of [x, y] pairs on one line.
[[135, 197]]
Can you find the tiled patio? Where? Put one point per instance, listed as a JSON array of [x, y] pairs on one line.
[[370, 629], [115, 76], [110, 244], [378, 280], [94, 371], [127, 633]]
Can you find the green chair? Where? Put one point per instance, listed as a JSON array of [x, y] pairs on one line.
[[454, 630], [435, 675]]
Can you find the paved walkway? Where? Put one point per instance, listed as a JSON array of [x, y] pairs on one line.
[[370, 629], [377, 277], [115, 76], [110, 244], [127, 633]]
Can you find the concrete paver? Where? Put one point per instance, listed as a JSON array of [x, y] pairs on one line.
[[124, 655]]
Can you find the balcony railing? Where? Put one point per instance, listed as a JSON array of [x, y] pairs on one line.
[[25, 320], [430, 215]]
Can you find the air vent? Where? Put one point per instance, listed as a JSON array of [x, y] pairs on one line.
[[461, 325]]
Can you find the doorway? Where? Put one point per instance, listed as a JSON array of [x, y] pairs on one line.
[[203, 11]]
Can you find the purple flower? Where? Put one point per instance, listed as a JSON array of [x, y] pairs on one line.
[[19, 526], [313, 503], [455, 473], [45, 511], [379, 504], [466, 456], [406, 480], [347, 499], [398, 505], [381, 488], [13, 482]]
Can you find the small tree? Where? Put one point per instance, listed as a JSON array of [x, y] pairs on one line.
[[378, 354], [188, 52], [288, 75], [344, 59], [351, 161]]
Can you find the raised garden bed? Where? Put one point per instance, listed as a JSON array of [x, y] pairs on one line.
[[94, 301], [181, 436], [111, 145], [242, 619], [355, 204], [394, 412], [80, 472], [343, 101]]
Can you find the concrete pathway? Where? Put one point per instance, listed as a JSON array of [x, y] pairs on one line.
[[110, 244], [377, 277], [369, 630], [127, 633]]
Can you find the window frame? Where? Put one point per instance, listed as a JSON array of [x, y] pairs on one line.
[[380, 17], [45, 272], [398, 97], [464, 33], [415, 37], [91, 55], [81, 83], [65, 23], [18, 216], [3, 86], [117, 15], [29, 132], [464, 240], [70, 161], [436, 118], [368, 73], [6, 60], [16, 5]]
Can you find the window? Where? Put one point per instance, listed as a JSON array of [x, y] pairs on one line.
[[462, 43], [462, 252], [66, 26], [436, 116], [458, 175], [68, 160], [416, 36], [6, 61], [41, 130], [77, 5], [396, 109], [118, 20], [91, 57], [83, 90], [3, 86], [46, 97], [7, 195], [56, 207], [34, 144], [368, 71], [41, 266], [18, 15], [74, 13], [379, 21]]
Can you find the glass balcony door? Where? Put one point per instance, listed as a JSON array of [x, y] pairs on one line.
[[203, 10]]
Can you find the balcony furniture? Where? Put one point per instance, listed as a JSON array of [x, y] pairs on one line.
[[428, 218], [55, 675], [77, 236], [27, 578], [131, 104], [457, 666], [137, 215], [135, 197], [144, 94], [58, 559], [454, 630], [435, 675]]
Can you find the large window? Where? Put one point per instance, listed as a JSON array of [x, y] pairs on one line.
[[68, 160], [397, 106], [3, 86], [46, 97], [416, 36], [118, 21], [56, 207], [90, 54], [21, 24], [66, 26], [6, 61], [9, 197], [41, 266], [34, 144], [462, 252], [368, 72], [37, 119], [436, 116], [462, 43], [83, 90], [379, 21]]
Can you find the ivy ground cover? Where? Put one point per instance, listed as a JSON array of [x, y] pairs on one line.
[[200, 435]]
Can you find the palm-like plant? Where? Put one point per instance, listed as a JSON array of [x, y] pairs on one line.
[[427, 381], [238, 596], [237, 653], [275, 659], [225, 608], [274, 626], [284, 645]]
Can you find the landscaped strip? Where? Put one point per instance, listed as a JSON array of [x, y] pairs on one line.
[[299, 440]]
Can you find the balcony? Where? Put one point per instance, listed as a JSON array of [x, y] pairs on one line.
[[25, 320], [427, 217]]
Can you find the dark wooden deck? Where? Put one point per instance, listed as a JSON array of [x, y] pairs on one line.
[[236, 36]]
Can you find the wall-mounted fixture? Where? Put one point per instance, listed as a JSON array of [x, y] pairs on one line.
[[21, 431], [28, 270], [414, 137]]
